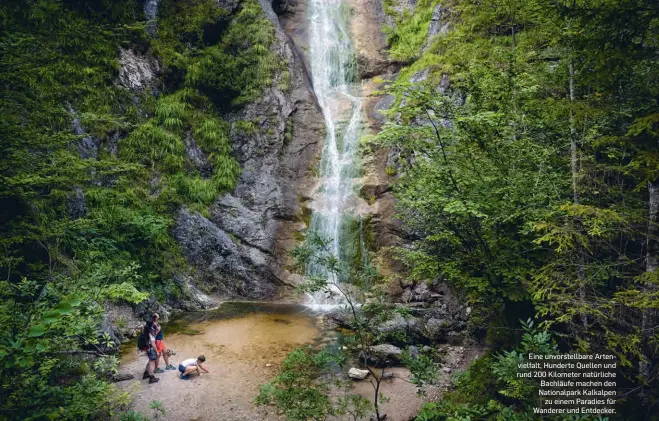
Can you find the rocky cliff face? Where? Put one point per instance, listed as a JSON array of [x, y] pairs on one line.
[[241, 249]]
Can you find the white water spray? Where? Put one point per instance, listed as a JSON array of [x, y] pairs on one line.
[[334, 71]]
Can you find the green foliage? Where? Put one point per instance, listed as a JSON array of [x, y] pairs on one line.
[[230, 60], [409, 29], [93, 175], [42, 333], [527, 138], [156, 407], [423, 367], [298, 390], [490, 388], [307, 388], [153, 145]]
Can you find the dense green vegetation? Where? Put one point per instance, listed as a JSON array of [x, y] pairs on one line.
[[93, 173], [530, 182]]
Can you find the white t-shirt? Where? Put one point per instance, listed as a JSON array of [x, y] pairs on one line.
[[189, 362]]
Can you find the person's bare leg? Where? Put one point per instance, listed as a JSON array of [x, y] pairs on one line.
[[151, 366], [165, 357]]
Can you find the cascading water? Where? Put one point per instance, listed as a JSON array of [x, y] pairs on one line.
[[334, 72], [151, 14]]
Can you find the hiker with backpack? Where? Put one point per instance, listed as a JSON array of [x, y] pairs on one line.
[[147, 342], [160, 346]]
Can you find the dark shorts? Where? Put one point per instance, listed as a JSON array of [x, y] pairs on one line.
[[152, 354], [181, 368]]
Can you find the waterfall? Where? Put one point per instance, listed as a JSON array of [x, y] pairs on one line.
[[151, 14], [334, 73]]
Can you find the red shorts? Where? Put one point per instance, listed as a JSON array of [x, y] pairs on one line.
[[160, 345]]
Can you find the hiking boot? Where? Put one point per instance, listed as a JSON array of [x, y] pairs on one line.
[[170, 367], [154, 379], [146, 375], [185, 377], [158, 370]]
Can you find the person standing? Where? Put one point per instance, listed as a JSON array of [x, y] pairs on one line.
[[160, 345], [151, 353]]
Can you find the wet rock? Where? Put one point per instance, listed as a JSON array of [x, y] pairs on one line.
[[454, 338], [224, 266], [106, 328], [76, 204], [87, 146], [151, 13], [383, 104], [420, 76], [435, 328], [406, 296], [369, 67], [396, 327], [281, 7], [197, 156], [439, 23], [137, 71], [242, 249], [341, 317], [192, 298], [413, 351], [385, 353], [357, 374]]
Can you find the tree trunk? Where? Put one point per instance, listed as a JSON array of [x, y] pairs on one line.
[[574, 161], [648, 314]]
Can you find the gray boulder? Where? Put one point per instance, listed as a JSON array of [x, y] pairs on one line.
[[413, 351], [435, 328], [385, 353], [357, 374], [111, 346], [398, 323]]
